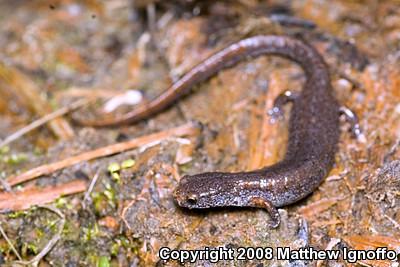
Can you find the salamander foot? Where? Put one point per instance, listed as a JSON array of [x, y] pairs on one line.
[[276, 112], [260, 202]]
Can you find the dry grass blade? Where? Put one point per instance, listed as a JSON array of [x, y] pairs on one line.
[[38, 196], [265, 147], [35, 261], [184, 130], [9, 242], [369, 242], [317, 207], [30, 95], [43, 120]]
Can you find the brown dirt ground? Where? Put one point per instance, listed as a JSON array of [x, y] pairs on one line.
[[66, 46]]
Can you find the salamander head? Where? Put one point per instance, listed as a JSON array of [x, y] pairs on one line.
[[202, 191]]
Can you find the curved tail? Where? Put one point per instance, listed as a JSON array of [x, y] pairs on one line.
[[284, 46]]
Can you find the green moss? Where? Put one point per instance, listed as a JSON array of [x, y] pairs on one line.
[[186, 167], [90, 233], [110, 194], [113, 167], [4, 150], [18, 214], [103, 261], [15, 159], [38, 151], [29, 248], [129, 163], [53, 225], [71, 231], [115, 248], [62, 202], [39, 233], [116, 177]]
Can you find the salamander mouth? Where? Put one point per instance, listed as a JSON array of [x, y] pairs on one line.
[[187, 201]]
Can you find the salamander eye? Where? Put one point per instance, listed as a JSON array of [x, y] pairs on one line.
[[192, 199]]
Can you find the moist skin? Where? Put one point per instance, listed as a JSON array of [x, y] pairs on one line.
[[313, 132]]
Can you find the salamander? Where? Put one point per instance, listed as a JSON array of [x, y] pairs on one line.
[[313, 132]]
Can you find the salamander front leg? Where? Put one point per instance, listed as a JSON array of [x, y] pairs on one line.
[[259, 202], [351, 118], [276, 112]]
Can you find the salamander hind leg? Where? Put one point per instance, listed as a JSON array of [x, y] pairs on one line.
[[276, 112], [260, 202]]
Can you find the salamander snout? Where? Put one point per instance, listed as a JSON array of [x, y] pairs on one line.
[[202, 191], [184, 193]]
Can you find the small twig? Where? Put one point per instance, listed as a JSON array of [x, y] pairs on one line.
[[49, 246], [291, 21], [9, 242], [90, 189], [318, 207], [43, 120], [5, 185], [125, 210], [332, 243], [88, 93], [396, 224], [303, 232], [38, 196], [151, 18], [392, 151], [184, 130]]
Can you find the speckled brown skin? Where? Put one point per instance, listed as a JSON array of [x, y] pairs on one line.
[[313, 133], [313, 138]]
